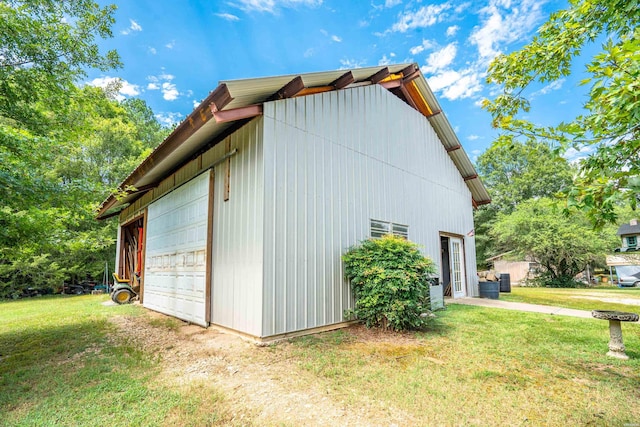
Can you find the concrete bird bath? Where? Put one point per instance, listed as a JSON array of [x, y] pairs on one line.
[[616, 346]]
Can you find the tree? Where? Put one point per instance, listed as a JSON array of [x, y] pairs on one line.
[[62, 147], [45, 48], [562, 245], [611, 120], [50, 187], [515, 171]]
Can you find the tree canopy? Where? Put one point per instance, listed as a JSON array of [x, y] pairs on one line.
[[514, 172], [610, 125], [62, 147], [46, 46]]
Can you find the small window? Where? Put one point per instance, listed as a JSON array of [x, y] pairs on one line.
[[632, 241], [380, 228]]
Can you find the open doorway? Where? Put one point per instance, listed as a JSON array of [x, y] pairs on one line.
[[445, 267], [131, 265], [452, 262]]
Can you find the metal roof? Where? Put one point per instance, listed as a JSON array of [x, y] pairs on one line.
[[235, 102], [631, 228]]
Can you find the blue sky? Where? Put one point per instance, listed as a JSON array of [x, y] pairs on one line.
[[176, 52]]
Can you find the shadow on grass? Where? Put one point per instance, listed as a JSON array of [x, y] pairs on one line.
[[71, 375]]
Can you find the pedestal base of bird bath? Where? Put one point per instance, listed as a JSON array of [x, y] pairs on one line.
[[616, 345]]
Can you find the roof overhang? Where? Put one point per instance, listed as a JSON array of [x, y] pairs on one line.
[[233, 103]]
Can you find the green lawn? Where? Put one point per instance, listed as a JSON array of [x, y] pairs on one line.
[[60, 366], [601, 298], [482, 366]]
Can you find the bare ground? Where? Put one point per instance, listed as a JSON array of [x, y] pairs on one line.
[[261, 386]]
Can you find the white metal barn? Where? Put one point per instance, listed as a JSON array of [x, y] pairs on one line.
[[240, 216]]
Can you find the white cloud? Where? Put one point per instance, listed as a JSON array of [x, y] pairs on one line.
[[163, 83], [309, 52], [272, 5], [336, 38], [548, 88], [426, 44], [170, 45], [116, 87], [152, 50], [502, 24], [441, 59], [392, 54], [574, 156], [384, 60], [169, 91], [473, 137], [452, 30], [196, 104], [462, 7], [168, 119], [478, 102], [454, 85], [133, 27], [424, 17], [351, 63], [391, 3], [227, 16]]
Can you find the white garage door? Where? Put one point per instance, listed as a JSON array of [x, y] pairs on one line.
[[175, 262]]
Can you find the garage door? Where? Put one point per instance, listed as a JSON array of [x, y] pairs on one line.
[[176, 258]]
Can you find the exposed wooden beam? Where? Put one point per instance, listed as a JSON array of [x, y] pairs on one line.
[[344, 80], [289, 90], [407, 97], [435, 113], [237, 113], [391, 84], [450, 149], [313, 90], [219, 98], [470, 177], [379, 76], [409, 70], [409, 77]]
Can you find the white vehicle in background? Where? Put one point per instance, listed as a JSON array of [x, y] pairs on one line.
[[628, 275]]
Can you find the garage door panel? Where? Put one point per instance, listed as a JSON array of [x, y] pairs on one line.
[[175, 263]]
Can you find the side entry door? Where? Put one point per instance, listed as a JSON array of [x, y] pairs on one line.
[[456, 253]]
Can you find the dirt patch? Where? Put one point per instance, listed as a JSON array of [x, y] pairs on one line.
[[261, 384]]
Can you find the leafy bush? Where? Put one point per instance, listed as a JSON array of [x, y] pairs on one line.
[[547, 280], [389, 278]]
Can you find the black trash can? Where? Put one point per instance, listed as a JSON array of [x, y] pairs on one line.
[[505, 282], [489, 290]]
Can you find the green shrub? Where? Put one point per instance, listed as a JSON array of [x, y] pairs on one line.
[[389, 278], [547, 280]]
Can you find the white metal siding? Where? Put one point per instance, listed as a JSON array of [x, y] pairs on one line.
[[332, 162], [175, 262], [237, 234]]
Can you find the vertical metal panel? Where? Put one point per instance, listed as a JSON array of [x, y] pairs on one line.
[[237, 267], [351, 156], [175, 262]]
